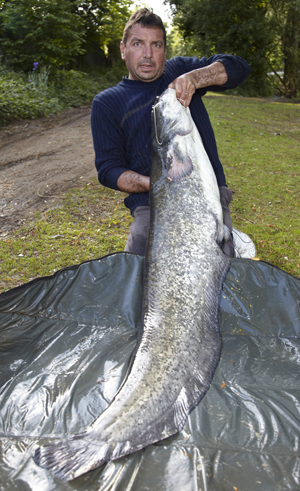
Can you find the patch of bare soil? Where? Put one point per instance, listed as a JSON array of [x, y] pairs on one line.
[[39, 160]]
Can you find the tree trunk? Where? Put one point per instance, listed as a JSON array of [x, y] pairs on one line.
[[291, 47]]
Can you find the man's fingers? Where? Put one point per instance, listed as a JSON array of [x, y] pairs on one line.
[[184, 89], [181, 101], [184, 98]]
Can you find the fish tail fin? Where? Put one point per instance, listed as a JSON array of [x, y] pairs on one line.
[[71, 458]]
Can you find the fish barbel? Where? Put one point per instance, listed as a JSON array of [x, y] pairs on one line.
[[179, 342]]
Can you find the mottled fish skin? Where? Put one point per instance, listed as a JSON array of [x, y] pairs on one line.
[[179, 344]]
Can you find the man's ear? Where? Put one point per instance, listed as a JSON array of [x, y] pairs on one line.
[[122, 49]]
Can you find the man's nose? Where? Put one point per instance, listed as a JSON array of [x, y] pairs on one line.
[[147, 51]]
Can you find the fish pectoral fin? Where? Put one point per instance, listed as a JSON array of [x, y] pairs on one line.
[[179, 165], [179, 169]]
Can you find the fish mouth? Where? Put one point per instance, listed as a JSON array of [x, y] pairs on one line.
[[170, 118]]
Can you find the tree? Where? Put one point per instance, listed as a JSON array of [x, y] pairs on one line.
[[44, 31], [104, 22], [60, 32], [239, 27], [287, 15]]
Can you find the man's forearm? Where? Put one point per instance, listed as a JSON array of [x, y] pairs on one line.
[[132, 182], [214, 74]]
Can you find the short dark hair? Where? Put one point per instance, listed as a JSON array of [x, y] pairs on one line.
[[147, 18]]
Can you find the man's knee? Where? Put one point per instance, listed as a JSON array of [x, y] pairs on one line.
[[138, 232]]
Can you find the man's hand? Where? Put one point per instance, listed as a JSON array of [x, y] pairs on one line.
[[186, 85], [132, 182], [185, 88]]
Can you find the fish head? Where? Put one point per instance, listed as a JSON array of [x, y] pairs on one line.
[[171, 123], [169, 118]]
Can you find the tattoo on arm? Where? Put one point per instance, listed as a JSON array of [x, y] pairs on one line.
[[214, 74]]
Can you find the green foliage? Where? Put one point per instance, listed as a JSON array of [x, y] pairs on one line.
[[43, 91], [103, 23], [22, 97], [75, 88], [175, 44], [265, 33], [237, 27], [286, 21], [60, 33], [48, 32], [291, 50]]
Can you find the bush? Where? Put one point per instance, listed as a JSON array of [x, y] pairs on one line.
[[24, 99], [43, 92], [74, 88]]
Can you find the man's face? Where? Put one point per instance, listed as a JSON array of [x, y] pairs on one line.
[[144, 53]]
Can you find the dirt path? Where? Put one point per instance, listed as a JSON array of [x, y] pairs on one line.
[[39, 160]]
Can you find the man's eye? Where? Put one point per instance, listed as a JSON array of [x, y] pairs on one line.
[[157, 45], [136, 43]]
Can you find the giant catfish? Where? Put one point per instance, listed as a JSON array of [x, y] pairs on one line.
[[179, 343]]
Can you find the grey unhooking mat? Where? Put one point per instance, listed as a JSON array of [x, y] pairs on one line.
[[65, 344]]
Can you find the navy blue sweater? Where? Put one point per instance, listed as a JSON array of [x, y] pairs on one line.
[[121, 121]]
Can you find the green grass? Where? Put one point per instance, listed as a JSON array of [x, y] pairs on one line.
[[259, 145], [90, 222]]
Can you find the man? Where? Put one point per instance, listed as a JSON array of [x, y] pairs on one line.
[[121, 116]]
